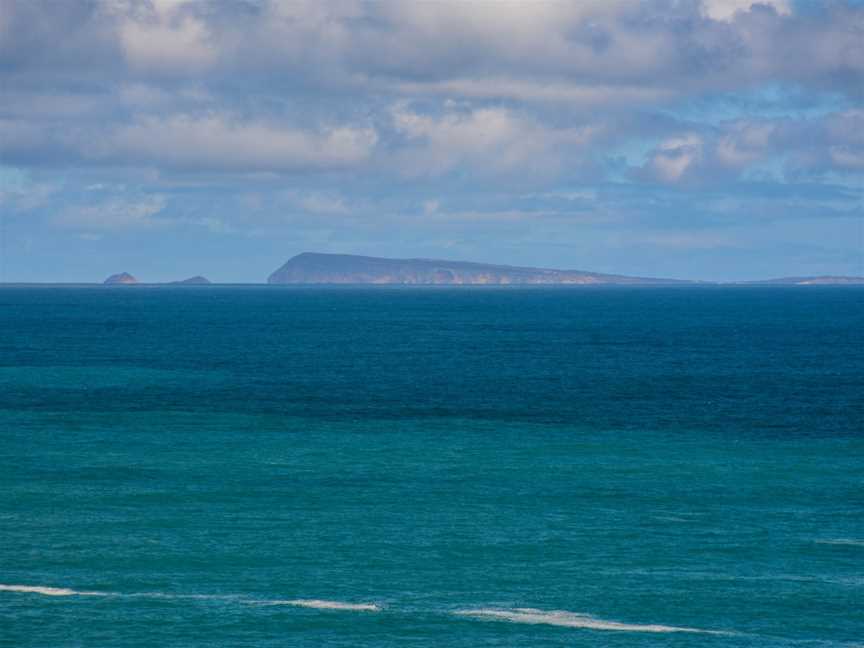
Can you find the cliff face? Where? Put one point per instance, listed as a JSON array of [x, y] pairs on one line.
[[315, 268], [121, 278]]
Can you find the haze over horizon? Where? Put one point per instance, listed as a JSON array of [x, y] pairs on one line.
[[714, 140]]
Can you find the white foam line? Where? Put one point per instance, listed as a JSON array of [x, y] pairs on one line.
[[65, 591], [308, 603], [852, 542], [569, 620], [532, 616], [165, 595], [319, 604], [49, 591]]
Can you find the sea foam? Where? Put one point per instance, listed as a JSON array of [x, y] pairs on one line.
[[48, 591], [307, 603], [568, 620], [328, 605], [850, 542]]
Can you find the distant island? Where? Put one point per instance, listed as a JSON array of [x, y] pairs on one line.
[[126, 279], [317, 268], [123, 278], [197, 280]]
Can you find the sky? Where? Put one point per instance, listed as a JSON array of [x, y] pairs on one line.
[[712, 139]]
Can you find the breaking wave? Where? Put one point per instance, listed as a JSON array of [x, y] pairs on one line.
[[568, 620], [49, 591], [319, 604]]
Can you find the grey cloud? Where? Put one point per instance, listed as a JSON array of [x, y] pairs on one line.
[[648, 45], [271, 86]]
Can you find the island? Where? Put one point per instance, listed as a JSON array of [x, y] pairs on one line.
[[122, 278], [197, 280], [319, 268]]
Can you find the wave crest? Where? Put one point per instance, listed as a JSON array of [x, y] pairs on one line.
[[566, 619], [320, 604], [48, 591]]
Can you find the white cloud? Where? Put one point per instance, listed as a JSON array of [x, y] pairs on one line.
[[492, 140], [847, 158], [674, 157], [725, 10], [323, 204], [219, 142], [573, 94], [744, 143], [36, 196], [164, 36]]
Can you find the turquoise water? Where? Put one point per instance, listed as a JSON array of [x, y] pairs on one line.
[[431, 467]]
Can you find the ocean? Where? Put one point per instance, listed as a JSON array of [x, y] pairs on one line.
[[399, 467]]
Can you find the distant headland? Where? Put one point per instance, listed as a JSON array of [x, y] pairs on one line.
[[317, 268], [322, 268]]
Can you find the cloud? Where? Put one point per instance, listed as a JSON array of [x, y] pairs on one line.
[[116, 213], [555, 50], [165, 36], [796, 147], [490, 140], [675, 157], [744, 142], [572, 94], [317, 203], [270, 87], [20, 194], [845, 134], [220, 142], [209, 142], [725, 10]]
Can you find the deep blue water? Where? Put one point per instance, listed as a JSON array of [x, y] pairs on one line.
[[635, 467]]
